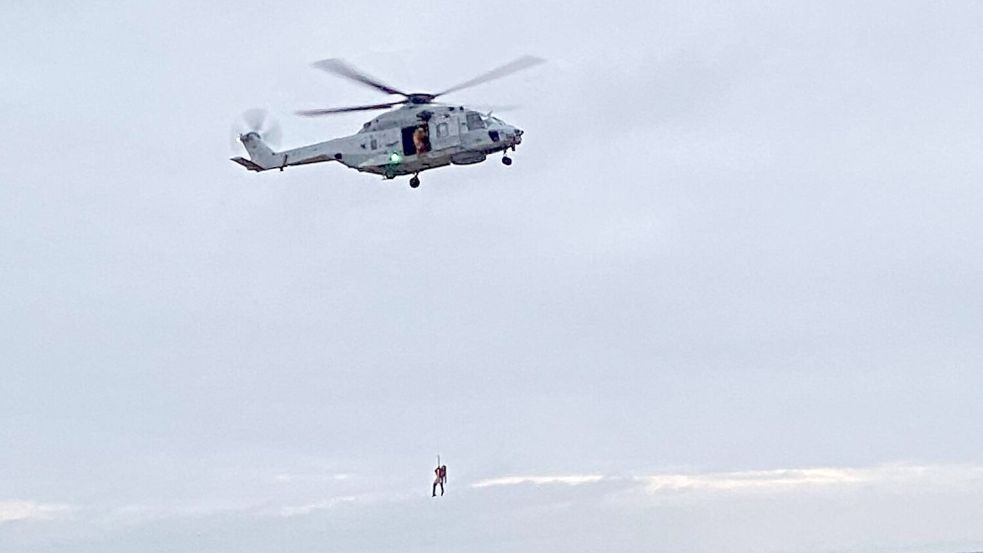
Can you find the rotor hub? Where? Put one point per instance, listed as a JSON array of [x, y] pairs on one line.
[[420, 98]]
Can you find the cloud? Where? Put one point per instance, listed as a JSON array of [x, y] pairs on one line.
[[570, 480], [791, 480], [29, 510], [763, 481], [299, 510], [311, 477], [880, 507], [138, 513]]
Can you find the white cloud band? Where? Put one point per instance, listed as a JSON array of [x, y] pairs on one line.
[[776, 480], [29, 510], [570, 480]]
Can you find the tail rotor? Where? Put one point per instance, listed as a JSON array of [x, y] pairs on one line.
[[255, 121]]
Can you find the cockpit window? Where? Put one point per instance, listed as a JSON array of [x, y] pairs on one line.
[[474, 121]]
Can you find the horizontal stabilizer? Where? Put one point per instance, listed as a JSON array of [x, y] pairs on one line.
[[247, 164]]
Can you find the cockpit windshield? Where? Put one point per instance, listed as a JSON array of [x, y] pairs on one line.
[[475, 122]]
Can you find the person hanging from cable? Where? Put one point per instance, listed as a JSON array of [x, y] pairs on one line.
[[441, 478]]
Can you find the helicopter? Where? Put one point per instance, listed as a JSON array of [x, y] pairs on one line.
[[418, 135]]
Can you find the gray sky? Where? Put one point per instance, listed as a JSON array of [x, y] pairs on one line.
[[728, 296]]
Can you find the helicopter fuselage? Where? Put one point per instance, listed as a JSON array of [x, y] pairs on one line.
[[404, 141]]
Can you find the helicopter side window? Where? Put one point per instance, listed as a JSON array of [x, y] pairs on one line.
[[442, 130], [375, 144], [474, 121]]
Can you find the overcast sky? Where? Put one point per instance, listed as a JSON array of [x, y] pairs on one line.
[[729, 295]]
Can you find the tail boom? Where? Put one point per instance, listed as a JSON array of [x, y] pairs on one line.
[[262, 158]]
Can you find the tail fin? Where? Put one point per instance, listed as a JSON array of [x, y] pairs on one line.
[[261, 157]]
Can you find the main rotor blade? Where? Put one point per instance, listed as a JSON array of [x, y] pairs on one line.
[[329, 111], [514, 66], [489, 109], [342, 69]]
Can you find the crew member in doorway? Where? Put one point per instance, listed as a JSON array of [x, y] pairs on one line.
[[421, 139], [441, 478]]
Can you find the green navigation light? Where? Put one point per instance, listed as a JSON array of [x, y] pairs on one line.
[[394, 157]]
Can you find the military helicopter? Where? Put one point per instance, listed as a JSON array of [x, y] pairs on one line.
[[418, 135]]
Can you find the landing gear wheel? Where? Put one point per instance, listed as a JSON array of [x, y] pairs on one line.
[[507, 160], [415, 182]]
